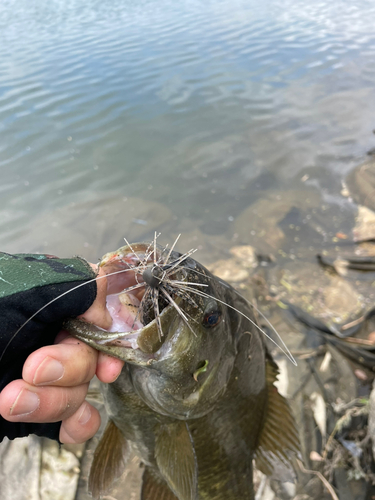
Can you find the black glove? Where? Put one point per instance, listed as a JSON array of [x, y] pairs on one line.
[[27, 284]]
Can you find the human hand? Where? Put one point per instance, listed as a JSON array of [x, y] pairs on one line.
[[55, 380]]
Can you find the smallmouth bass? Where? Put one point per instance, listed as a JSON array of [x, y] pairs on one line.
[[195, 399]]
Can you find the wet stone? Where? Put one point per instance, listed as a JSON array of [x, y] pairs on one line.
[[364, 228], [238, 268], [60, 470], [341, 299], [361, 183], [33, 468], [245, 255], [323, 295], [258, 224], [229, 270]]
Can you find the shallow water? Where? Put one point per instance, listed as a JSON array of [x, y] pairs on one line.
[[202, 107]]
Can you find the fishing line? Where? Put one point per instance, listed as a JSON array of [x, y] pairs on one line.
[[283, 348], [287, 353]]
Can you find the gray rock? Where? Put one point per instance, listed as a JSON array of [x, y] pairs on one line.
[[37, 469], [258, 226], [361, 183]]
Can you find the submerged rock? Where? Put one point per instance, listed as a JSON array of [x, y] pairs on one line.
[[324, 295], [238, 268], [261, 224], [361, 183]]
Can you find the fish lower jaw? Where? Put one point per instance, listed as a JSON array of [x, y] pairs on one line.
[[129, 341]]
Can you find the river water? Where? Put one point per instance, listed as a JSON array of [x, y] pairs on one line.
[[121, 117]]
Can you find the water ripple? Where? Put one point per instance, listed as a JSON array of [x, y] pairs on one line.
[[179, 88]]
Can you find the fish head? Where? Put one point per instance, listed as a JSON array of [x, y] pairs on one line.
[[181, 342], [190, 370]]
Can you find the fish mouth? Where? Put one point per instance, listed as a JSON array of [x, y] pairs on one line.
[[141, 311]]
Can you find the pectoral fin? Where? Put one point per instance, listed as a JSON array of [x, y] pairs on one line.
[[279, 442], [175, 457], [154, 489], [109, 460]]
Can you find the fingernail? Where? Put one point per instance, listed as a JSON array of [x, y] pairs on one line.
[[25, 403], [85, 414], [50, 370]]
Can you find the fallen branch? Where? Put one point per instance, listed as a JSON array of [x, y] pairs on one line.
[[330, 489]]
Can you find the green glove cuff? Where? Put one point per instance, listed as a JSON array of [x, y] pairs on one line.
[[22, 272]]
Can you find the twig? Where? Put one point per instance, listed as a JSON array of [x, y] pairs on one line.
[[354, 340], [321, 477], [353, 323]]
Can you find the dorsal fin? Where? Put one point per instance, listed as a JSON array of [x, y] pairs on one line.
[[109, 460], [175, 457], [279, 441], [154, 489]]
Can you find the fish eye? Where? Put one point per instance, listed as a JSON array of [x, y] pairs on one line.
[[211, 318]]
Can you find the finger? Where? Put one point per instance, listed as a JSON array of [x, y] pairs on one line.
[[108, 368], [70, 363], [98, 313], [81, 426], [63, 334], [22, 402]]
